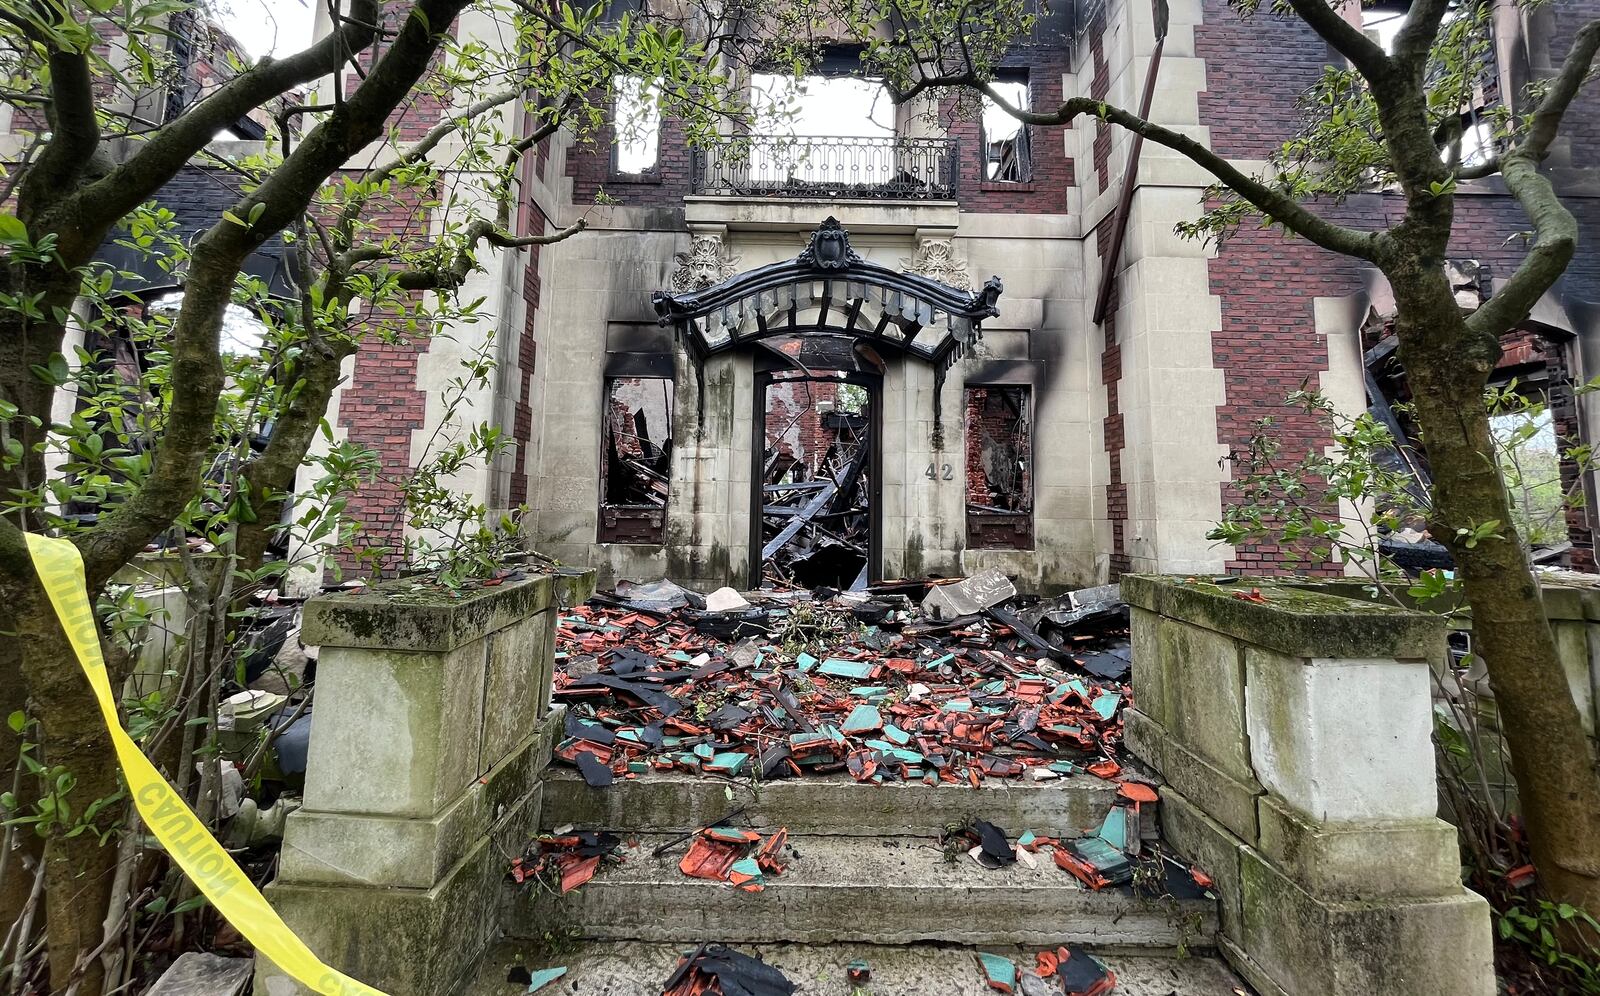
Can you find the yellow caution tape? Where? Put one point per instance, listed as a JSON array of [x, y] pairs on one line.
[[186, 839]]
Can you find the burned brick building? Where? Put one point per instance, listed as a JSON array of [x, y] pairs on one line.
[[983, 341], [1037, 373]]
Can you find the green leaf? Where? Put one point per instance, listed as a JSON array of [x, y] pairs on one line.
[[12, 229], [230, 216], [18, 721]]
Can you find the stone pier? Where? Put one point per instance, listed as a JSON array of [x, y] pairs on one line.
[[1294, 737], [431, 728]]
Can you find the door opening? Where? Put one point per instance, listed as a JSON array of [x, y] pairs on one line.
[[817, 482]]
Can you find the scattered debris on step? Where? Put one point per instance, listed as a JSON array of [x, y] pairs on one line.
[[716, 970], [741, 857], [884, 683], [1000, 971], [565, 859]]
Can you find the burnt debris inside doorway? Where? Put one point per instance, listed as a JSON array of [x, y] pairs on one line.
[[816, 481], [999, 460], [636, 467]]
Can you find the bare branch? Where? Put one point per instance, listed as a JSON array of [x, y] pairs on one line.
[[1275, 204], [1556, 231], [1347, 39], [168, 149], [415, 153], [1565, 86], [443, 278]]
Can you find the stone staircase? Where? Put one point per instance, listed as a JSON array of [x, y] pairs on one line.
[[867, 878]]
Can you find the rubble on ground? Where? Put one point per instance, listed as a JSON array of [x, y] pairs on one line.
[[786, 684]]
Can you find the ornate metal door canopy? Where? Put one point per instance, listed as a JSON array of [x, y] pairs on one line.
[[851, 296]]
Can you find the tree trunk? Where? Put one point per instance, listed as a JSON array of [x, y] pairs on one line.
[[78, 875], [1552, 758]]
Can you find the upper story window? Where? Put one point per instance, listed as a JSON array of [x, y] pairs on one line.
[[1382, 21], [821, 106], [1006, 156], [636, 118]]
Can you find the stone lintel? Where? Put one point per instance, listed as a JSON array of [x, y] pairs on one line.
[[1293, 620]]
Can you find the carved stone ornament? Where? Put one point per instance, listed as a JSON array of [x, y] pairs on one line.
[[829, 247], [703, 265], [936, 259]]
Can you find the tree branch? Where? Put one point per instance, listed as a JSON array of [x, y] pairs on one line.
[[143, 173], [1556, 231], [1347, 39], [1567, 82], [75, 132], [196, 363], [1415, 38], [440, 278], [1275, 204], [415, 153]]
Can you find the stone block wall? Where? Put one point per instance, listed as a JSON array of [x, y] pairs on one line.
[[431, 728], [1294, 737]]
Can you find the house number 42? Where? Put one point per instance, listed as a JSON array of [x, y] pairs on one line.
[[943, 472]]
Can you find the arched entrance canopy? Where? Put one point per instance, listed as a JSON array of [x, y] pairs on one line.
[[851, 296]]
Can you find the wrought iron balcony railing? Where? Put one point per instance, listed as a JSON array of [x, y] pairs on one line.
[[779, 166]]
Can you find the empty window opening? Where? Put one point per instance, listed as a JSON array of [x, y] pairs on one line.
[[636, 119], [816, 484], [636, 465], [1530, 452], [821, 106], [999, 454], [1383, 21], [1006, 156], [825, 130]]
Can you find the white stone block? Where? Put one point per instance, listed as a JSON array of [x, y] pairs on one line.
[[1342, 740]]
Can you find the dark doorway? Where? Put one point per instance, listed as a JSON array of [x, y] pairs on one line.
[[816, 515]]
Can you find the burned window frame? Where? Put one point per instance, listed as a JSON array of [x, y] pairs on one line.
[[989, 527], [1023, 144], [630, 523]]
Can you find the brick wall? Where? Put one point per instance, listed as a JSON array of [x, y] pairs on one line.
[[1051, 175], [589, 164], [1268, 345], [1112, 427]]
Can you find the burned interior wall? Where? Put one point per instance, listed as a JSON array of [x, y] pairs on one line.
[[636, 465], [999, 466]]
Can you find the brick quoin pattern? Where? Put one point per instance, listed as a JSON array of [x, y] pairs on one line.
[[1112, 427], [1268, 344]]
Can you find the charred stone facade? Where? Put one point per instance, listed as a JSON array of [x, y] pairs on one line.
[[1130, 419]]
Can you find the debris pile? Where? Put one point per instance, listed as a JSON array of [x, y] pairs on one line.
[[715, 969], [969, 682], [740, 857], [564, 860], [815, 527]]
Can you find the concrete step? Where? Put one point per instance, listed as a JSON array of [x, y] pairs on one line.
[[864, 890], [829, 804], [630, 968]]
